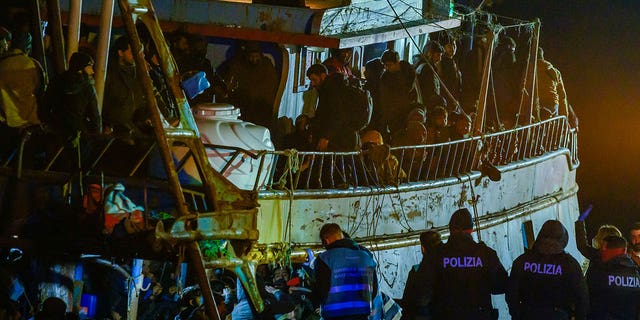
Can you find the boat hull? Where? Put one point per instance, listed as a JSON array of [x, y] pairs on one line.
[[388, 220]]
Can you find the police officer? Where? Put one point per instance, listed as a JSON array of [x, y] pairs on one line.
[[346, 281], [614, 283], [414, 304], [547, 282], [462, 274]]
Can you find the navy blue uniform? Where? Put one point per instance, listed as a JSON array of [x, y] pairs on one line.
[[461, 276], [546, 286], [614, 289], [546, 282]]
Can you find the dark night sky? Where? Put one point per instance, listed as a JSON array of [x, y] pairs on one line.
[[595, 46]]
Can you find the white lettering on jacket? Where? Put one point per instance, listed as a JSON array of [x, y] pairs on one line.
[[461, 262], [547, 268], [620, 281]]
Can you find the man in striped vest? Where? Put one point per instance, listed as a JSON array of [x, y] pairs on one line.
[[346, 281]]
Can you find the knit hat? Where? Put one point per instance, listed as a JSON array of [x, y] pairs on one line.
[[461, 220], [79, 60]]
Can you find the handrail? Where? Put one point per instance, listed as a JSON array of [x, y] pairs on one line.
[[342, 170]]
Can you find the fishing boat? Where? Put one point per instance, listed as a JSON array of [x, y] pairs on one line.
[[262, 205]]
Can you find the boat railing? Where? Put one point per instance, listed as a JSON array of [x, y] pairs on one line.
[[293, 169]]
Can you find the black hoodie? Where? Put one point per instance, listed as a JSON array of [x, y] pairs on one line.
[[547, 283]]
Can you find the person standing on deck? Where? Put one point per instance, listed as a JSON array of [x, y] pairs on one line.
[[21, 83], [547, 282], [330, 124], [346, 281], [462, 274], [427, 71], [552, 99], [124, 98], [340, 62], [72, 99], [397, 93]]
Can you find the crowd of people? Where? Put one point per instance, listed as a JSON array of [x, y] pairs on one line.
[[454, 280]]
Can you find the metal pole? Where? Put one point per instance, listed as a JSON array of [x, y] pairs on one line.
[[73, 34], [37, 41], [478, 125], [531, 79], [57, 45], [102, 55], [129, 16]]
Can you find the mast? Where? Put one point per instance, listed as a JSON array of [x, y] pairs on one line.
[[102, 54], [73, 34], [59, 61], [530, 82], [478, 125]]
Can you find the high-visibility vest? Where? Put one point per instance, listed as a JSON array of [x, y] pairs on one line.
[[352, 282]]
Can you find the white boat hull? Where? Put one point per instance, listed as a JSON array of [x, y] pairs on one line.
[[387, 220]]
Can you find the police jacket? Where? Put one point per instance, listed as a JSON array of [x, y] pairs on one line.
[[346, 281], [614, 289], [461, 276], [546, 282], [414, 302]]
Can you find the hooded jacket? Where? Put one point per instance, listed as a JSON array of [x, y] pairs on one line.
[[547, 282]]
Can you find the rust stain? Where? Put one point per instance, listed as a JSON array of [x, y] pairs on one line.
[[303, 227], [413, 214], [394, 216]]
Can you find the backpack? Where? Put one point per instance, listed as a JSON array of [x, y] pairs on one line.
[[360, 106]]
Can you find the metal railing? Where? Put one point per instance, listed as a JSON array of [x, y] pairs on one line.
[[342, 170]]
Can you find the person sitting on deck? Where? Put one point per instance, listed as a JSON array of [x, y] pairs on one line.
[[437, 126]]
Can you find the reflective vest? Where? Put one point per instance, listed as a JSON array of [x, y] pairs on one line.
[[352, 282]]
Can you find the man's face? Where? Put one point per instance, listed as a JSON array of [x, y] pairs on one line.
[[126, 57], [435, 56], [88, 70], [450, 49], [345, 56], [254, 58], [634, 237], [392, 66], [440, 121], [317, 79]]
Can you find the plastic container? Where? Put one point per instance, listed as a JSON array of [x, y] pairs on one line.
[[219, 125]]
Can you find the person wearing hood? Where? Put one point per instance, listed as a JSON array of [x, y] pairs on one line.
[[462, 274], [547, 282], [72, 99], [614, 283]]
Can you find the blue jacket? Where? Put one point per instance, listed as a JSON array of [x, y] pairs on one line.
[[352, 280]]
